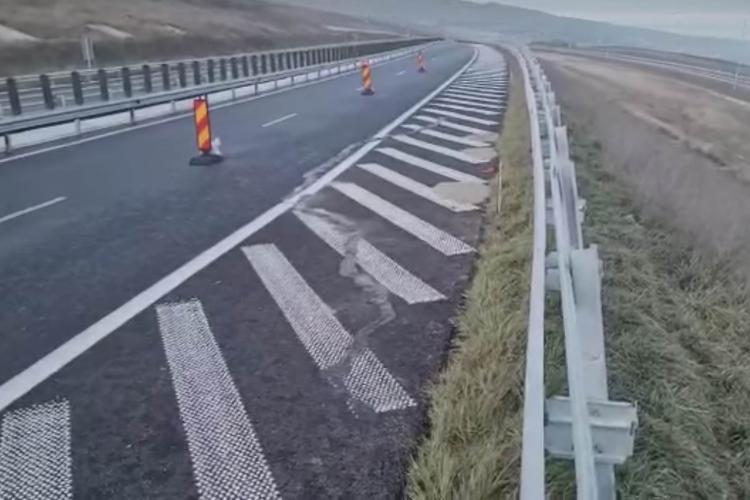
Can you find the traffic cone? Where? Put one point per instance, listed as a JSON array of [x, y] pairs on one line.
[[421, 66], [366, 70], [208, 148]]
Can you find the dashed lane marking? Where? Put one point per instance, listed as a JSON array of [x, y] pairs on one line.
[[428, 146], [472, 143], [436, 238], [331, 347], [400, 73], [455, 126], [495, 107], [459, 116], [28, 210], [35, 458], [390, 274], [430, 166], [227, 458], [279, 120], [414, 187]]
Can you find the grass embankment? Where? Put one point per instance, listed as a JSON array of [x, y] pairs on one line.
[[472, 450], [677, 333]]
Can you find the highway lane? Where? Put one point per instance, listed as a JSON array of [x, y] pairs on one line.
[[135, 210], [294, 365]]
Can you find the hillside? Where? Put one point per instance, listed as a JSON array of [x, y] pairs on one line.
[[46, 34], [464, 18]]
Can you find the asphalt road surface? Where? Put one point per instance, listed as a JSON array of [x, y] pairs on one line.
[[265, 328]]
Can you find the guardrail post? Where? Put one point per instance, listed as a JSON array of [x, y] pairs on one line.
[[7, 143], [196, 72], [166, 81], [254, 64], [264, 64], [245, 67], [103, 84], [49, 100], [148, 85], [272, 57], [223, 69], [210, 70], [13, 99], [235, 68], [75, 80], [127, 84], [181, 74], [288, 60]]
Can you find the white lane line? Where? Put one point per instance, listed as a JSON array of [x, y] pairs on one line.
[[49, 364], [486, 72], [456, 126], [417, 188], [467, 109], [227, 458], [459, 116], [481, 88], [496, 107], [25, 211], [402, 72], [428, 146], [279, 120], [35, 458], [464, 141], [327, 342], [496, 87], [390, 274], [436, 238], [482, 81], [430, 166], [471, 96]]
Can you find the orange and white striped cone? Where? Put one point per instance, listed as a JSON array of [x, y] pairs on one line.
[[201, 115], [366, 70], [421, 66]]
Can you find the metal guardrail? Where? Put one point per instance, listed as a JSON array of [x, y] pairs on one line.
[[48, 92], [585, 426], [307, 64]]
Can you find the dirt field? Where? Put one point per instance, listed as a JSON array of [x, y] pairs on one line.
[[136, 29], [681, 149]]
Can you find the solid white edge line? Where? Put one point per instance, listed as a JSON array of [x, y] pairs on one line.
[[279, 120], [181, 116], [49, 364], [28, 210]]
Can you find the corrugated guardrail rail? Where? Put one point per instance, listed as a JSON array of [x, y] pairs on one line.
[[29, 102], [585, 426]]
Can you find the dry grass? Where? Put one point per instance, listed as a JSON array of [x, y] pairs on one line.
[[473, 447], [677, 330]]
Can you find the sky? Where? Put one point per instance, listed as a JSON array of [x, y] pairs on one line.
[[722, 18]]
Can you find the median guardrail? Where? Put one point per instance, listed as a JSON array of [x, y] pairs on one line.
[[584, 426], [131, 88]]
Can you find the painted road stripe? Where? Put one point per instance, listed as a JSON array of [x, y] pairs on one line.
[[496, 107], [400, 73], [228, 461], [472, 143], [433, 167], [442, 122], [459, 116], [486, 72], [483, 81], [428, 146], [279, 120], [35, 458], [467, 109], [471, 97], [489, 91], [417, 188], [49, 364], [331, 347], [436, 238], [390, 274], [25, 211]]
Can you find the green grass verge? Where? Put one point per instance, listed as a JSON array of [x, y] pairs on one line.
[[677, 333], [472, 450]]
